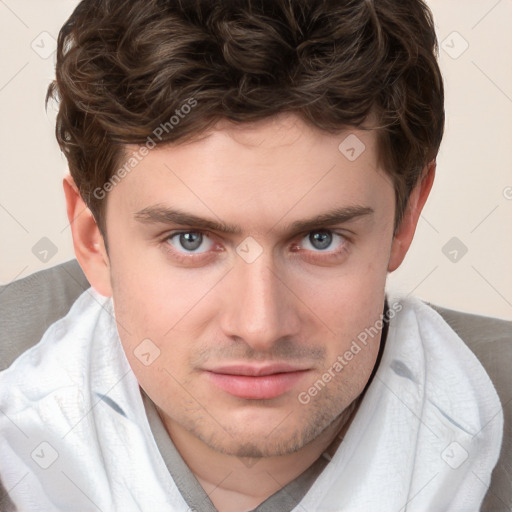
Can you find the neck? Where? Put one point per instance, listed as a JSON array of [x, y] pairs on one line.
[[234, 483]]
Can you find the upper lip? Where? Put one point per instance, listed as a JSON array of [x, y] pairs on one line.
[[255, 370]]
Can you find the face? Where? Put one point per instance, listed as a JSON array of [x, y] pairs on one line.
[[242, 267]]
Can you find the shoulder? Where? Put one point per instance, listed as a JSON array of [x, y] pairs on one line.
[[30, 305], [490, 340]]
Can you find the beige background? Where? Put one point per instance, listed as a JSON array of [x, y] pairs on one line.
[[470, 207]]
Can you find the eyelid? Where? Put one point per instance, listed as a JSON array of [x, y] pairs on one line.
[[184, 257], [344, 240], [316, 256], [166, 242], [183, 232], [336, 229], [175, 232]]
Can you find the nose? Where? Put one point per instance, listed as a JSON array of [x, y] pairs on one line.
[[259, 307]]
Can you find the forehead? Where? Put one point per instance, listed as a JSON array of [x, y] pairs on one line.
[[259, 171]]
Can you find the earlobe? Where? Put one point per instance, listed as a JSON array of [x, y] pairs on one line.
[[405, 232], [88, 241]]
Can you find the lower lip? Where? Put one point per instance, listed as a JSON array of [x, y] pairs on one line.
[[264, 387]]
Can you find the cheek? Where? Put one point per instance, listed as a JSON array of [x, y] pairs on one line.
[[163, 312], [354, 316], [151, 320], [351, 295], [352, 312], [153, 297], [350, 305]]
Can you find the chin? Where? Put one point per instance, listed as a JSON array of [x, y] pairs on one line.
[[248, 446], [265, 436]]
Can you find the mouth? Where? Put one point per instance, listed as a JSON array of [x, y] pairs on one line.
[[253, 382]]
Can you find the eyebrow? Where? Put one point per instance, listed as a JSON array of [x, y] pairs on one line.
[[162, 215]]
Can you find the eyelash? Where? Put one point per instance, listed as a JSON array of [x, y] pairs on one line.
[[328, 255], [184, 257], [318, 256]]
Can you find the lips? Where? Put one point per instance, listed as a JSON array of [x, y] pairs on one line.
[[251, 382]]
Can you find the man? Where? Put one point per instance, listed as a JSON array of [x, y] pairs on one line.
[[244, 175]]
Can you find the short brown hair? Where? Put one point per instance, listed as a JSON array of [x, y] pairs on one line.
[[125, 67]]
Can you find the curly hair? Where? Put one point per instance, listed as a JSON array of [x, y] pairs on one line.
[[125, 67]]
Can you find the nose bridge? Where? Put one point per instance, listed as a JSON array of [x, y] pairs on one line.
[[259, 307]]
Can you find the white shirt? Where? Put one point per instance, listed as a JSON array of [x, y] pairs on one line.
[[74, 435]]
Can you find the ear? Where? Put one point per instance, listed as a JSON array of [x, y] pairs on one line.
[[88, 241], [405, 232]]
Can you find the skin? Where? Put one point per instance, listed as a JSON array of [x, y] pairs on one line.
[[296, 303]]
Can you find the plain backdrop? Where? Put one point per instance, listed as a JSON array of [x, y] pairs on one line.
[[462, 254]]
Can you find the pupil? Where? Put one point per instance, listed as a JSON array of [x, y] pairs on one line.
[[191, 241], [320, 239]]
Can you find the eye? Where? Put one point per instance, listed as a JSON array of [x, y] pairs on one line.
[[190, 242], [322, 240]]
